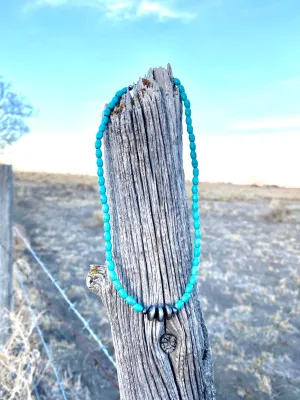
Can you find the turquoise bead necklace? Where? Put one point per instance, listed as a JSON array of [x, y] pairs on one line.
[[153, 312]]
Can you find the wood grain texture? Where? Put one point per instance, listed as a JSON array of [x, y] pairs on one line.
[[152, 247], [6, 209]]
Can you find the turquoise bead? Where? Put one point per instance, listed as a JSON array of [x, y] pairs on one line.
[[197, 234], [100, 163], [181, 88], [195, 198], [99, 135], [195, 180], [124, 90], [103, 198], [122, 293], [179, 304], [98, 153], [138, 307], [193, 146], [176, 81], [193, 279], [106, 217], [193, 154], [97, 144], [197, 242], [108, 246], [106, 226], [119, 93], [105, 208], [186, 297], [195, 164], [189, 288], [187, 103], [110, 265], [116, 99], [107, 112], [188, 120], [195, 270], [112, 275], [196, 251], [195, 189], [112, 104], [101, 180], [102, 189], [107, 236], [192, 137], [190, 129], [183, 96], [102, 127], [105, 120], [117, 284], [195, 171], [196, 261], [196, 215], [130, 300], [196, 224], [188, 112], [100, 170], [195, 206]]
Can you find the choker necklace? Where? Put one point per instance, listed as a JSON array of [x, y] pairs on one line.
[[153, 312]]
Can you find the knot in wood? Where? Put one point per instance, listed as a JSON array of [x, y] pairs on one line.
[[168, 342]]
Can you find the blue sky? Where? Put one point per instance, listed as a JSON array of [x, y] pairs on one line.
[[239, 60]]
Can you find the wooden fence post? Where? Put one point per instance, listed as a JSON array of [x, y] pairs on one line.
[[6, 248], [152, 248]]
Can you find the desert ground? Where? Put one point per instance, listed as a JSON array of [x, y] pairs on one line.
[[249, 284]]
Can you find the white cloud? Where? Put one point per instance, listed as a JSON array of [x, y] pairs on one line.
[[270, 123], [120, 5], [147, 7], [126, 9]]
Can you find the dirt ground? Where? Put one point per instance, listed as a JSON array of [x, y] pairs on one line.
[[249, 285]]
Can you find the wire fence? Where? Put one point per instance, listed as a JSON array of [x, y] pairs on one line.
[[75, 334], [63, 294]]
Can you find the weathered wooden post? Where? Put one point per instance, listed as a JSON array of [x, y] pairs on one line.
[[6, 248], [152, 248]]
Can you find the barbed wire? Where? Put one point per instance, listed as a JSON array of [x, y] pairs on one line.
[[60, 385], [62, 292], [76, 336], [74, 333]]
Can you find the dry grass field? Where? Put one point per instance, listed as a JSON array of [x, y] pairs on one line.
[[249, 284]]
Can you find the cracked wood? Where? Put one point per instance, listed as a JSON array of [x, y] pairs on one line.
[[152, 247]]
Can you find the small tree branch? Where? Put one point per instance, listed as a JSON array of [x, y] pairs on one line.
[[13, 110]]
